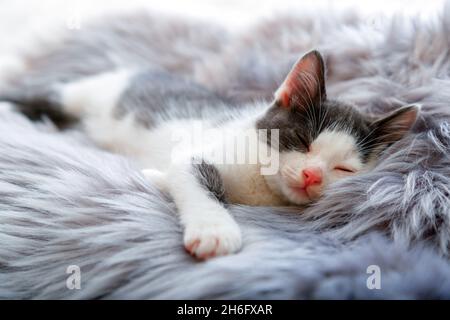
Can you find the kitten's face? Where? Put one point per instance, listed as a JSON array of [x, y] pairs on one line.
[[322, 141], [303, 175]]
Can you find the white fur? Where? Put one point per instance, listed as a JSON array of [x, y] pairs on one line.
[[329, 150]]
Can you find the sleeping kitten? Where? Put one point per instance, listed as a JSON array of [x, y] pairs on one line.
[[293, 148]]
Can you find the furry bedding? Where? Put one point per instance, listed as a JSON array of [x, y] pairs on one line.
[[63, 201]]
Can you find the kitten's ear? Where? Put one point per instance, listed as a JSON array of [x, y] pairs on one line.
[[305, 84], [393, 127]]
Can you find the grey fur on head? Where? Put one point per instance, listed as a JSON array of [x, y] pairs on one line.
[[65, 202]]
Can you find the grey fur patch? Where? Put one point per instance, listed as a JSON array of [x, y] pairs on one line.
[[298, 128], [209, 177], [154, 96]]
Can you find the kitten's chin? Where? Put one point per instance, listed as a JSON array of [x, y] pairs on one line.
[[290, 194], [297, 195]]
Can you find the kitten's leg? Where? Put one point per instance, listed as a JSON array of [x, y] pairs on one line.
[[95, 101], [94, 96], [209, 230]]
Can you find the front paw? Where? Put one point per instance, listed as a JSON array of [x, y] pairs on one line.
[[207, 239]]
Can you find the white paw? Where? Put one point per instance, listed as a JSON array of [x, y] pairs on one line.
[[215, 236]]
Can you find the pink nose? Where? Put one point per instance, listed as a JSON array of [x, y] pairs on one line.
[[312, 176]]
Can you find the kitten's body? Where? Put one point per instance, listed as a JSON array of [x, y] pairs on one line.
[[153, 143], [316, 142]]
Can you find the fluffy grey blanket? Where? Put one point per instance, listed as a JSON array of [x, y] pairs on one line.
[[64, 202]]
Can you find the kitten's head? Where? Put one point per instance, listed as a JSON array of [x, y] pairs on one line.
[[322, 140]]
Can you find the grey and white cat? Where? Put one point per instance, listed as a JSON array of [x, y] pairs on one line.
[[313, 141]]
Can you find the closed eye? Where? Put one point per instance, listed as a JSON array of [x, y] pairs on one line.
[[344, 169]]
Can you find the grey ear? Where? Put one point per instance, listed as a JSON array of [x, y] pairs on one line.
[[304, 86], [394, 126]]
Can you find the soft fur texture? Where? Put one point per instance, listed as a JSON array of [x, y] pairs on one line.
[[64, 201]]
